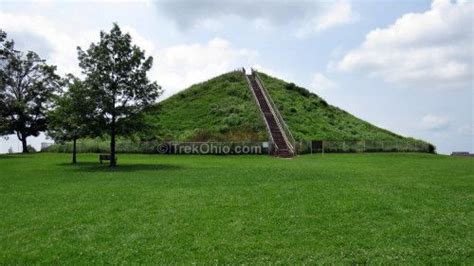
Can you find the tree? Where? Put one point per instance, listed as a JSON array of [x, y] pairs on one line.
[[3, 37], [74, 115], [116, 71], [27, 85]]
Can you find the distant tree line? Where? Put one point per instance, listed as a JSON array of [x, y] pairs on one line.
[[108, 100]]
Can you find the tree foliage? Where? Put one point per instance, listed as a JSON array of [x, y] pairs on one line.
[[27, 85], [116, 72], [75, 113]]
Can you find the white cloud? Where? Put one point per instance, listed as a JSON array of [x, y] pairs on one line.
[[434, 122], [62, 45], [433, 48], [209, 24], [175, 67], [183, 65], [139, 40], [147, 2], [321, 83], [339, 13], [306, 17]]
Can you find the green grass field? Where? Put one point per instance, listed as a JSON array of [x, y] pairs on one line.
[[336, 208]]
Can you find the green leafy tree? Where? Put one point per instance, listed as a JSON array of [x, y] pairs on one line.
[[3, 36], [27, 85], [74, 115], [116, 71]]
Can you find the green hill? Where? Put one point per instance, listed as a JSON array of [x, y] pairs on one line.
[[310, 117], [220, 109], [223, 109]]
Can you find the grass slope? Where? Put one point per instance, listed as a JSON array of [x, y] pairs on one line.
[[309, 117], [336, 208], [221, 109]]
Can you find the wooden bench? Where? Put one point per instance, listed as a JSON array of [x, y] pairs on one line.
[[105, 157]]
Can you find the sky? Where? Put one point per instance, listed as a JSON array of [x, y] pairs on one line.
[[406, 66]]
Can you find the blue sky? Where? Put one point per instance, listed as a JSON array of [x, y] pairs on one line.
[[403, 65]]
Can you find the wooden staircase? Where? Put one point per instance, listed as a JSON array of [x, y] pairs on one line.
[[282, 147]]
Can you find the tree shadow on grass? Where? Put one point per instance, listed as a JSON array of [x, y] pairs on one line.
[[16, 156], [125, 167]]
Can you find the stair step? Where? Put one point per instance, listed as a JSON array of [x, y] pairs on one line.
[[271, 120]]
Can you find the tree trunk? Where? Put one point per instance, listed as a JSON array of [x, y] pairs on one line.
[[74, 150], [113, 163], [24, 145]]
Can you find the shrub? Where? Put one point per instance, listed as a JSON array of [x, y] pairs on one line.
[[292, 87], [233, 120], [224, 128], [431, 148], [233, 78], [30, 148], [324, 103]]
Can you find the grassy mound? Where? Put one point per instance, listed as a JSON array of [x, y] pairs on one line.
[[220, 109], [310, 117], [223, 109]]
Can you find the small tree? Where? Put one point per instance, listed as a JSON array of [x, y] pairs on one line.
[[74, 115], [3, 120], [116, 71], [27, 85], [3, 39]]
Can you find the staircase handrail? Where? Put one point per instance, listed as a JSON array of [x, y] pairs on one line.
[[282, 124], [262, 115]]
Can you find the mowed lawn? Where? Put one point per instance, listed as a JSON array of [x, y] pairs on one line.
[[336, 208]]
